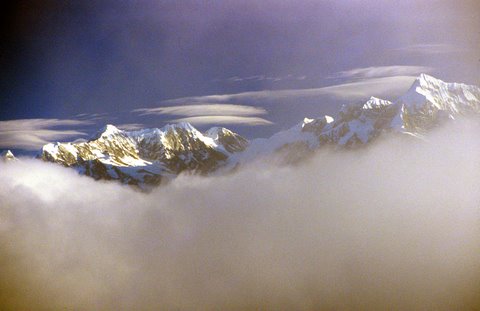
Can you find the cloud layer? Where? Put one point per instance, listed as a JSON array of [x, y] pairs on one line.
[[382, 71], [391, 227], [357, 90], [31, 134], [224, 120], [210, 113], [237, 79], [204, 110]]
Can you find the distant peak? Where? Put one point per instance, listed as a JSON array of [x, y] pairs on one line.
[[107, 130], [424, 78], [7, 155], [422, 82], [375, 102], [326, 119], [216, 130], [307, 121], [213, 132], [181, 125], [110, 128], [185, 125], [313, 125]]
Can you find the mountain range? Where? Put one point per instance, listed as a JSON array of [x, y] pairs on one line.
[[151, 156]]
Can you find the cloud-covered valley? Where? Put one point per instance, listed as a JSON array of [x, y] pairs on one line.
[[393, 226]]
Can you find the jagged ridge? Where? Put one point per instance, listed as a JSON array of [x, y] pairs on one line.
[[147, 156], [428, 103]]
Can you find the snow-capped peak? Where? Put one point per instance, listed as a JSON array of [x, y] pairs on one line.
[[212, 132], [375, 102], [107, 131], [148, 155], [322, 121], [227, 140], [181, 125], [427, 103], [7, 155], [187, 132], [424, 81], [429, 93], [424, 78], [307, 121], [217, 131]]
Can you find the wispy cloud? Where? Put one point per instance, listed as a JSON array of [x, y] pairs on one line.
[[209, 113], [379, 87], [225, 108], [381, 71], [431, 48], [91, 116], [357, 90], [237, 79], [204, 109], [202, 120], [32, 134]]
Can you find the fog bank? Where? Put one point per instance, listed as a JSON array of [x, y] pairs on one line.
[[395, 226]]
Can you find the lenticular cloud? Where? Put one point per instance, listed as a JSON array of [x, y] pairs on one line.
[[394, 226]]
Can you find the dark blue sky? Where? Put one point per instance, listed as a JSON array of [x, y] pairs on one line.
[[60, 59]]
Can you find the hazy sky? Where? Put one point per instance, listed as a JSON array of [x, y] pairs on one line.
[[75, 65]]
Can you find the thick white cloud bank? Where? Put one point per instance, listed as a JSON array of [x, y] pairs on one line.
[[396, 226]]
